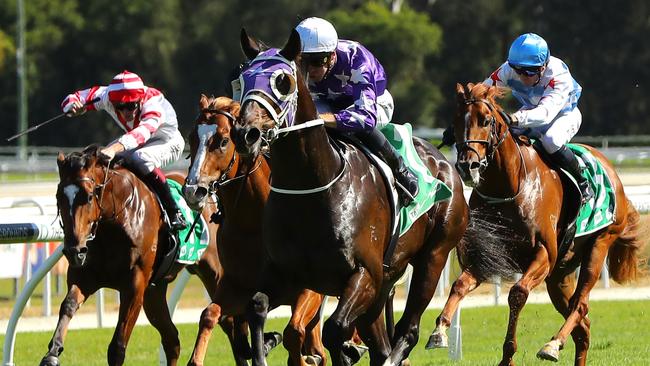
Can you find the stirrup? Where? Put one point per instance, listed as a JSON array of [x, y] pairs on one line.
[[177, 221], [586, 192]]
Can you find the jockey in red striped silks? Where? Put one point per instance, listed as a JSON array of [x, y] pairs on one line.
[[151, 139]]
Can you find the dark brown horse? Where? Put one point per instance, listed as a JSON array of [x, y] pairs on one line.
[[514, 186], [242, 190], [327, 222], [114, 237]]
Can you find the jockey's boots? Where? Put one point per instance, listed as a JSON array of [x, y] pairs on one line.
[[157, 181], [567, 160], [378, 144]]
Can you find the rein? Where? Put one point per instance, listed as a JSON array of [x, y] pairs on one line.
[[493, 149]]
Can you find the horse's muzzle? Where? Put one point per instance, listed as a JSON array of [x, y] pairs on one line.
[[76, 256], [470, 172], [195, 195], [247, 140]]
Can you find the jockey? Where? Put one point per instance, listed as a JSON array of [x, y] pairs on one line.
[[152, 139], [349, 86], [549, 100]]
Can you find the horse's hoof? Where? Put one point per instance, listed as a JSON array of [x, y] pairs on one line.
[[271, 340], [550, 352], [354, 351], [315, 360], [437, 340], [49, 361], [406, 362]]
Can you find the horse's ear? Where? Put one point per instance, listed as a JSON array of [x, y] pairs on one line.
[[248, 45], [60, 159], [292, 48], [460, 93], [203, 103]]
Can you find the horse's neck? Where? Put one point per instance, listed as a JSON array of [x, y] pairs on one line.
[[304, 158], [254, 177], [505, 174]]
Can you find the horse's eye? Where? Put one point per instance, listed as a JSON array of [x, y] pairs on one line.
[[224, 143], [90, 198], [284, 84]]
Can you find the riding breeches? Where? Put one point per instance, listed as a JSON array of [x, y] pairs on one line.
[[385, 108], [155, 153], [559, 132]]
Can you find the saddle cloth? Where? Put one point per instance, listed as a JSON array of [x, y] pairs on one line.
[[598, 212], [191, 249], [432, 190]]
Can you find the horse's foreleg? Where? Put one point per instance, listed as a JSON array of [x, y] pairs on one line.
[[256, 312], [304, 312], [131, 298], [465, 284], [560, 291], [534, 275], [209, 319], [359, 295], [591, 265], [71, 303], [426, 273], [155, 307], [373, 331]]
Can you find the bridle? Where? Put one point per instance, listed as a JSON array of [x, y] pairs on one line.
[[223, 180], [492, 143]]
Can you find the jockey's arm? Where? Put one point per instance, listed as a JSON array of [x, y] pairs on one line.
[[555, 98], [329, 119]]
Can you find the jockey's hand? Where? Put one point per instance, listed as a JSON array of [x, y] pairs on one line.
[[108, 153], [329, 119], [74, 109], [513, 120]]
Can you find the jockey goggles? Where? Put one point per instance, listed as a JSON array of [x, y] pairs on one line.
[[526, 71], [319, 59], [128, 106]]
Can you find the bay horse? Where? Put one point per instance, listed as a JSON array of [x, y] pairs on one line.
[[516, 189], [241, 189], [115, 237], [327, 221]]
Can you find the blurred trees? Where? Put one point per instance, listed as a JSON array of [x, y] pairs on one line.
[[186, 48]]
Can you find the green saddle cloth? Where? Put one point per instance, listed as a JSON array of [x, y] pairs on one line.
[[432, 190], [191, 250], [598, 212]]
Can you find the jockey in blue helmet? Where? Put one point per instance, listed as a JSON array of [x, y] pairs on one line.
[[548, 95]]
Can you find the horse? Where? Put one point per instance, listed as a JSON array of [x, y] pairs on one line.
[[115, 237], [327, 221], [241, 190], [516, 191]]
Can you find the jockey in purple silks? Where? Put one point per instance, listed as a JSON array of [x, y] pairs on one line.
[[349, 86]]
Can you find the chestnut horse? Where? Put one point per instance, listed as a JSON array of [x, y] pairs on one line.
[[327, 221], [514, 185], [114, 237], [241, 190]]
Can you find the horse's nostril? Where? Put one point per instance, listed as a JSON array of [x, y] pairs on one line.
[[252, 136], [201, 192], [474, 165]]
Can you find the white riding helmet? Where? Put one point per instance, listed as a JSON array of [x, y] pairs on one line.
[[317, 35]]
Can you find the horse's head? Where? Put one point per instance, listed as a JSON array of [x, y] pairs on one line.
[[78, 197], [211, 149], [270, 87], [479, 128]]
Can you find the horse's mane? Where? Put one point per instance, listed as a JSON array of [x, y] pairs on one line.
[[224, 104], [482, 91], [78, 160]]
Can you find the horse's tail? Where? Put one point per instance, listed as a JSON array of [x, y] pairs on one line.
[[624, 261], [487, 248]]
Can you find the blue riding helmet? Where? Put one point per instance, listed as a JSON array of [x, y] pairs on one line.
[[528, 50]]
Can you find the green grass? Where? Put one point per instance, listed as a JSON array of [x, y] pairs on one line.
[[619, 337]]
